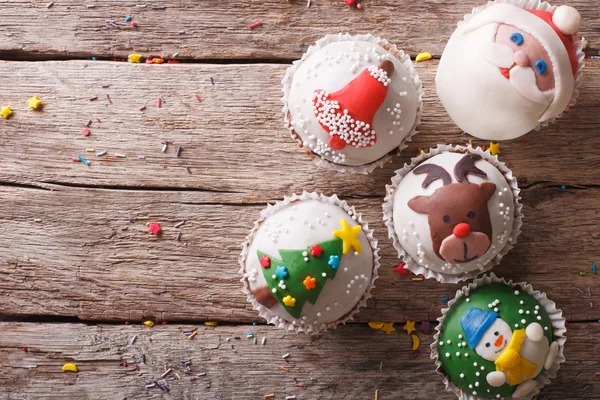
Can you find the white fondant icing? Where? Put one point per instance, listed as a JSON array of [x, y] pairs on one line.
[[420, 246]]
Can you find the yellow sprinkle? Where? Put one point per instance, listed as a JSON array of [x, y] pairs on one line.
[[376, 325], [376, 394], [90, 150], [70, 367], [417, 279], [26, 258], [423, 57], [149, 324], [415, 342], [177, 375], [211, 323], [134, 58]]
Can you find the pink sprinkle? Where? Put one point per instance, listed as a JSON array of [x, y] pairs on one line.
[[142, 108], [158, 101], [85, 132], [254, 25], [75, 159], [197, 97]]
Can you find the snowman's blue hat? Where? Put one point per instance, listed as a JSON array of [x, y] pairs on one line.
[[475, 322]]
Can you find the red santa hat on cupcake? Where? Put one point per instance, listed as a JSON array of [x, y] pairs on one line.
[[554, 29]]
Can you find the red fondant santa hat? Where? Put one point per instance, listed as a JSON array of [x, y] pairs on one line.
[[554, 29]]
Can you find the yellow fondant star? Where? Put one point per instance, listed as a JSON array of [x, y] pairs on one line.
[[134, 58], [6, 111], [494, 148], [388, 327], [409, 327], [289, 301], [34, 102], [349, 236]]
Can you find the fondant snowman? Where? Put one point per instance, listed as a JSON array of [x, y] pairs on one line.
[[519, 355]]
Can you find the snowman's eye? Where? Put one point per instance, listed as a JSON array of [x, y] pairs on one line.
[[516, 38], [496, 333], [447, 219], [541, 66], [487, 345], [471, 214]]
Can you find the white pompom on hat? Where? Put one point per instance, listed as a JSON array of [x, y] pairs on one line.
[[567, 19]]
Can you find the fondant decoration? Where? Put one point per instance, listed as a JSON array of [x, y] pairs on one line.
[[70, 367], [34, 103], [265, 262], [349, 235], [134, 58], [154, 228], [458, 215], [388, 327], [508, 69], [351, 101], [376, 325], [347, 115], [310, 283], [494, 148], [415, 342], [316, 250], [423, 57], [289, 301], [495, 341], [334, 261], [409, 326], [452, 214], [6, 111]]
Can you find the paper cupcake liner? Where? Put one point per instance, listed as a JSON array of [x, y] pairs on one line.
[[388, 217], [308, 328], [542, 6], [558, 326], [345, 37]]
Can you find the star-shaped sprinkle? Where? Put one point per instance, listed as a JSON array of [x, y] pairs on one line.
[[134, 58], [310, 283], [289, 301], [154, 228], [334, 261], [316, 250], [281, 272], [494, 148], [388, 327], [426, 326], [349, 236], [265, 262], [401, 269], [34, 102], [6, 111], [409, 327]]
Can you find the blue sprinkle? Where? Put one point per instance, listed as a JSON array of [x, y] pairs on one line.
[[83, 160], [212, 81], [334, 261], [516, 38], [355, 325], [563, 187], [128, 18], [444, 299], [254, 324], [94, 58], [281, 272], [594, 268]]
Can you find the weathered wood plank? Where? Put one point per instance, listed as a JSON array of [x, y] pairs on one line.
[[345, 363], [65, 253], [234, 139], [70, 29]]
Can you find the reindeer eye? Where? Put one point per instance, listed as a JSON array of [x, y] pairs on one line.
[[496, 333], [447, 219], [471, 214], [487, 345]]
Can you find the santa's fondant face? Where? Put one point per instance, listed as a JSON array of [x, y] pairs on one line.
[[494, 340]]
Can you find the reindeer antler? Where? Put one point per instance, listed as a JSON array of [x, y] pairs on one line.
[[466, 166], [433, 172]]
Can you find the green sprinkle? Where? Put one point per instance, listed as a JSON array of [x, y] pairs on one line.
[[582, 273], [313, 379], [381, 365], [254, 340]]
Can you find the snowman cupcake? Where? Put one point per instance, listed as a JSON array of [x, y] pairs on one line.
[[352, 101], [453, 213], [498, 340], [309, 263]]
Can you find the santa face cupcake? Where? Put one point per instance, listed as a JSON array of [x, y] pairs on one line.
[[507, 70], [453, 213], [351, 101], [309, 263], [498, 340]]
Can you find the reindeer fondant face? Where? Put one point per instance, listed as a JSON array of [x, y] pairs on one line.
[[453, 213]]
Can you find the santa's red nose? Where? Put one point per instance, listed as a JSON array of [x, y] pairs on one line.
[[462, 230]]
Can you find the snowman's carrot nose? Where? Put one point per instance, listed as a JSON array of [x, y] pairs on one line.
[[499, 341]]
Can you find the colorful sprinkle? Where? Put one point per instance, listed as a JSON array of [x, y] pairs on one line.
[[254, 25], [83, 160], [154, 228], [289, 301], [70, 367], [334, 261], [423, 57]]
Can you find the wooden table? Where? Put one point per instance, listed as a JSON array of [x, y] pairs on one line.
[[79, 272]]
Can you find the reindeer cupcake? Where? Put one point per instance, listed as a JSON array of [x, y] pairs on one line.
[[453, 213]]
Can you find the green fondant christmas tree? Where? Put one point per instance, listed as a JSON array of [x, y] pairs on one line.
[[300, 274]]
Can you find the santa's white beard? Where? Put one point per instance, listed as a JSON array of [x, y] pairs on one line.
[[478, 98]]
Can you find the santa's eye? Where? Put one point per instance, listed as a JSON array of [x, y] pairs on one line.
[[447, 219], [496, 333], [540, 66], [516, 38], [471, 214], [487, 345]]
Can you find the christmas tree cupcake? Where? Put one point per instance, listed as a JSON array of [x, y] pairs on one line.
[[453, 213], [498, 340], [511, 67], [352, 101], [309, 263]]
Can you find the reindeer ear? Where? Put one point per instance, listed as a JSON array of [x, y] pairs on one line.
[[487, 190], [419, 204]]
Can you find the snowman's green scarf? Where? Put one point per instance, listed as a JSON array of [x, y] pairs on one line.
[[516, 368]]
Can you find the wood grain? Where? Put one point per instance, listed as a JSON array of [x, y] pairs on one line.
[[66, 254], [234, 139], [199, 29], [345, 363]]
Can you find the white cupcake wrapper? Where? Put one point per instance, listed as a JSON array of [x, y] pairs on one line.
[[345, 37], [308, 328], [543, 6], [388, 217], [556, 318]]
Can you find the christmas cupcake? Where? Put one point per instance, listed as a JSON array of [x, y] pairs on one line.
[[352, 101], [453, 213], [309, 263], [498, 340], [511, 67]]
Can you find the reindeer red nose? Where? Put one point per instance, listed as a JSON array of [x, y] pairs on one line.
[[462, 230]]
